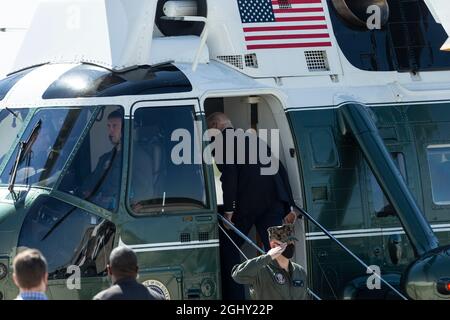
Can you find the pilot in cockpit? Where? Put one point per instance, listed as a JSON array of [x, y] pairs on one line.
[[103, 185]]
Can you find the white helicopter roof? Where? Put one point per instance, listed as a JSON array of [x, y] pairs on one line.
[[33, 88], [109, 33]]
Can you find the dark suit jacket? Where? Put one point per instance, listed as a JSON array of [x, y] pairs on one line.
[[245, 189], [103, 185], [128, 289]]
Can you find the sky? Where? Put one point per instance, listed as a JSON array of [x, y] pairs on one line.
[[16, 15]]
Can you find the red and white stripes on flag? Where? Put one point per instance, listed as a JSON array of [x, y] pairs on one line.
[[281, 24]]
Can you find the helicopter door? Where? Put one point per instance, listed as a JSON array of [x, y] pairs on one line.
[[170, 222], [166, 147]]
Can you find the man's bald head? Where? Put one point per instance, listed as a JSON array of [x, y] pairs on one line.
[[123, 263], [219, 120]]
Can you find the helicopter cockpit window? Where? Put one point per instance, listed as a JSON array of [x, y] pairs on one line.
[[159, 182], [45, 146], [439, 164], [381, 205], [94, 174], [68, 237], [11, 122]]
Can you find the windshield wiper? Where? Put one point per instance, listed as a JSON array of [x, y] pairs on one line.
[[24, 150], [12, 112], [15, 115]]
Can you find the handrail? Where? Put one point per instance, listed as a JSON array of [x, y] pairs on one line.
[[240, 234], [317, 224], [311, 293]]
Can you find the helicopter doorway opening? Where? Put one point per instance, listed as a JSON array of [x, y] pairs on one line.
[[258, 113]]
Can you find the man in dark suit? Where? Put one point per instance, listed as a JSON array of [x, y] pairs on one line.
[[102, 187], [250, 197], [123, 269]]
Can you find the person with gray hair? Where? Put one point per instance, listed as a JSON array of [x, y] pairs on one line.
[[123, 269], [250, 198], [219, 120]]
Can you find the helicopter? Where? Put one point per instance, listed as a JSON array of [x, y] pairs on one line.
[[364, 134]]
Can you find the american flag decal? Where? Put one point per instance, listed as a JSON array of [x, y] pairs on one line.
[[281, 24]]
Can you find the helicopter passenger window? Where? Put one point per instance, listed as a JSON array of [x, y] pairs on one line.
[[381, 205], [439, 164], [95, 172], [68, 236], [158, 181]]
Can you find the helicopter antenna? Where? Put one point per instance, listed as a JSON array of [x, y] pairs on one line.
[[6, 29], [163, 202], [185, 11], [203, 36]]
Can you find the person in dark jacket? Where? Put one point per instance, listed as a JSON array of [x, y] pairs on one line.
[[123, 269], [251, 198], [102, 186]]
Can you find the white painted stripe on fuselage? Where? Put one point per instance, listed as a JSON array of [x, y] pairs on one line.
[[373, 105], [168, 246], [152, 249], [353, 231], [366, 234]]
